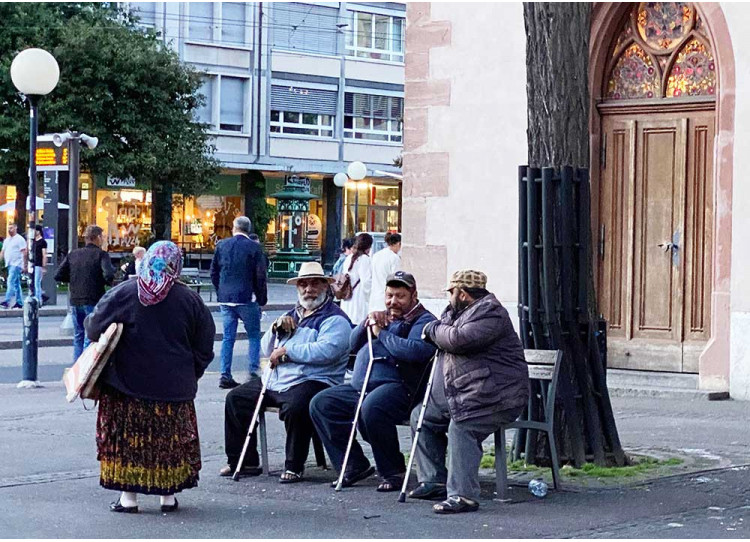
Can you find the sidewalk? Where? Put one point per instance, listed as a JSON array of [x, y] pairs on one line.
[[49, 472]]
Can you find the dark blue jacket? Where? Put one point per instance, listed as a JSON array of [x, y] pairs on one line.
[[402, 347], [238, 271]]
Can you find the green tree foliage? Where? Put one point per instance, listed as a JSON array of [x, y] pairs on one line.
[[117, 82]]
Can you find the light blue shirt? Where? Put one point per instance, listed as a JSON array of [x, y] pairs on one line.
[[314, 354]]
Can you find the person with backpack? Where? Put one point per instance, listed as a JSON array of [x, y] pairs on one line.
[[358, 268]]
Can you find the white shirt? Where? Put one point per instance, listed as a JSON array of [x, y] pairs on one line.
[[384, 262], [361, 279], [12, 247]]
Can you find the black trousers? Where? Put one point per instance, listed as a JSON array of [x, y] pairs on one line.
[[294, 411]]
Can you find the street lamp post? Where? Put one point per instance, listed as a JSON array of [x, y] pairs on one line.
[[35, 73], [356, 172]]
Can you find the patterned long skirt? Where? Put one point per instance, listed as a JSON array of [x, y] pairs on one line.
[[148, 447]]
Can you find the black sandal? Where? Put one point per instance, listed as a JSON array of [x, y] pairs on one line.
[[455, 505], [291, 477], [392, 483], [352, 479]]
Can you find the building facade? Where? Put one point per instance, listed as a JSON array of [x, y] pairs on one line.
[[666, 125], [292, 89]]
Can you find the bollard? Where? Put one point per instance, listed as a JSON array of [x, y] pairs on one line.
[[30, 343]]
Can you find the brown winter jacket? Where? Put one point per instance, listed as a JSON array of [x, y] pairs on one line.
[[483, 363]]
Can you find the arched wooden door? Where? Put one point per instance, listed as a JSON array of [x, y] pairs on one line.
[[655, 193]]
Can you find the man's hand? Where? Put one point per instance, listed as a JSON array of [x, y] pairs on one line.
[[284, 325], [427, 331], [277, 357], [377, 321]]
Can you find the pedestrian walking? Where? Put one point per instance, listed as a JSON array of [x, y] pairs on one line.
[[481, 382], [358, 266], [238, 272], [39, 246], [146, 429], [14, 253], [385, 262], [130, 269], [87, 270], [346, 249]]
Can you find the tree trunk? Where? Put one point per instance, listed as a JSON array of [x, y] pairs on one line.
[[22, 192], [557, 52], [161, 211], [558, 118]]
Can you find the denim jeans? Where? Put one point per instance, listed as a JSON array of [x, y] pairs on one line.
[[14, 285], [250, 316], [38, 270], [80, 341]]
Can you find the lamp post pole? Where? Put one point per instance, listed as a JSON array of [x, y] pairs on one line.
[[73, 181]]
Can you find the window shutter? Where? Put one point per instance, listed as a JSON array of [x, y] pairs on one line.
[[373, 105], [303, 100], [305, 27], [232, 101]]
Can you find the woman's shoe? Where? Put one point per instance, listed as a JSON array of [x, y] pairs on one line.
[[455, 505], [117, 507], [170, 507], [429, 491]]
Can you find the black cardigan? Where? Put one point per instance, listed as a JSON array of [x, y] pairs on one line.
[[164, 348]]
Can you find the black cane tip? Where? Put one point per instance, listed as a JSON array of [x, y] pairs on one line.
[[236, 477], [402, 497]]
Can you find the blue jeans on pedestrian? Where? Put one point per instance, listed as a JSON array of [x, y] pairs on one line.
[[38, 273], [80, 341], [14, 285], [250, 316]]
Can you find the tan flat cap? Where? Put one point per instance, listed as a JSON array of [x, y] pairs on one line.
[[467, 278]]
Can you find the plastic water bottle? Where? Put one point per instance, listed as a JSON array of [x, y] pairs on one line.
[[538, 488]]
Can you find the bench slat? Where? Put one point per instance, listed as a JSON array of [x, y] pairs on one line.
[[540, 357], [540, 372]]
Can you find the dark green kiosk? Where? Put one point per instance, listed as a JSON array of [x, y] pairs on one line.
[[292, 208]]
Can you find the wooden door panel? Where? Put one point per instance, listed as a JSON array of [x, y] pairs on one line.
[[658, 216]]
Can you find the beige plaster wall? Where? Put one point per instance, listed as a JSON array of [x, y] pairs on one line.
[[462, 155]]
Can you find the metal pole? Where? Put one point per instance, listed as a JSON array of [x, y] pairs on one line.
[[31, 305], [356, 207], [75, 171]]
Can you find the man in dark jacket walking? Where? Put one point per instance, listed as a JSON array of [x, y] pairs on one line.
[[238, 272], [401, 358], [88, 270], [481, 382]]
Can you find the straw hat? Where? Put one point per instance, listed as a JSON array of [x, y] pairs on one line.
[[310, 270]]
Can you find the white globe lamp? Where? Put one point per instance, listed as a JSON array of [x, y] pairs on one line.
[[340, 180], [357, 171], [35, 72]]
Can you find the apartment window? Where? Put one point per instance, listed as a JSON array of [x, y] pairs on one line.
[[304, 27], [201, 20], [233, 22], [374, 117], [303, 111], [145, 11], [232, 111], [376, 36], [205, 112], [288, 122]]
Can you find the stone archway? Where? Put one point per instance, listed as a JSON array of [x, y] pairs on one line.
[[714, 361]]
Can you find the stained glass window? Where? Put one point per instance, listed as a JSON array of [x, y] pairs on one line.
[[693, 72], [656, 40], [634, 76]]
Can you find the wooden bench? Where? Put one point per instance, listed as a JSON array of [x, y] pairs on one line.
[[320, 456], [192, 277], [544, 366]]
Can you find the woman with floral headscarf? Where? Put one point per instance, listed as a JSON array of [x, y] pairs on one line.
[[146, 431]]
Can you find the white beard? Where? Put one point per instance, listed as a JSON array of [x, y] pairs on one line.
[[312, 304]]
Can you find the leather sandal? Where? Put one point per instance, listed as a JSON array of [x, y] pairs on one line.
[[117, 507], [455, 505], [390, 483], [429, 491], [290, 477], [352, 479]]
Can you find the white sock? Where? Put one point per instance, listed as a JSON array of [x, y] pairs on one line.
[[167, 500], [128, 499]]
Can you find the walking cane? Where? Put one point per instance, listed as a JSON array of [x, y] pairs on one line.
[[402, 496], [356, 412], [254, 421]]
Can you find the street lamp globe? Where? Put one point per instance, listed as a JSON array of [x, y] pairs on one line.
[[357, 171], [35, 72], [340, 180]]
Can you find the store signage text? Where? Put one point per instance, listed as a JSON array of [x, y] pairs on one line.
[[121, 183]]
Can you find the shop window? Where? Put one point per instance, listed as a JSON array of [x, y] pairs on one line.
[[125, 217], [371, 206], [204, 221]]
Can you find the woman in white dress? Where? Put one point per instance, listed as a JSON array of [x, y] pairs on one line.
[[358, 266]]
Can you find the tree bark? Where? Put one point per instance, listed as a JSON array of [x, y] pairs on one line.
[[161, 211], [557, 52]]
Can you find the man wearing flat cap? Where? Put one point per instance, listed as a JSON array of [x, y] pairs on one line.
[[395, 386], [310, 356], [481, 382]]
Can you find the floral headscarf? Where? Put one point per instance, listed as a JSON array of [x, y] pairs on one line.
[[158, 271]]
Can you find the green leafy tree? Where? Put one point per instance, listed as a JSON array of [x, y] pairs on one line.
[[118, 82]]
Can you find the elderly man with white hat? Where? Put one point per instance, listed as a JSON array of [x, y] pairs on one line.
[[309, 348]]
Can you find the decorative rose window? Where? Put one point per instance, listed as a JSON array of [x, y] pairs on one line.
[[662, 51]]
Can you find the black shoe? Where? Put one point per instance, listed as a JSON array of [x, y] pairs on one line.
[[4, 305], [17, 306], [455, 505], [228, 383], [228, 470], [429, 491], [170, 507], [117, 507], [351, 479]]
